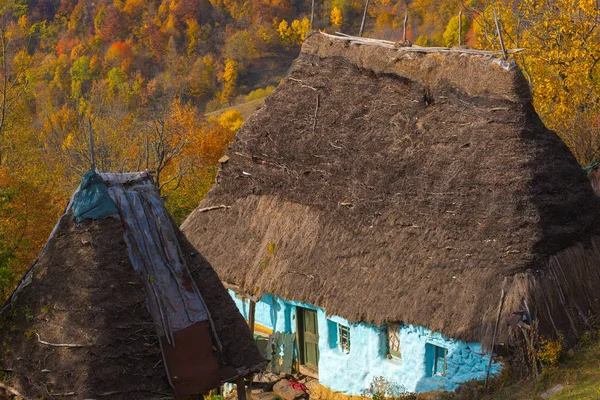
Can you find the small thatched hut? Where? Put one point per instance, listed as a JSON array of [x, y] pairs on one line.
[[380, 202], [80, 325]]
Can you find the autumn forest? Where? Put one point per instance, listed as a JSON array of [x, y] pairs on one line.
[[158, 82]]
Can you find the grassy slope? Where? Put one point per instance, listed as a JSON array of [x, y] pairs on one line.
[[246, 109], [579, 374]]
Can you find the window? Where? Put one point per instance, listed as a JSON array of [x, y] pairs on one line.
[[439, 361], [344, 338], [393, 335]]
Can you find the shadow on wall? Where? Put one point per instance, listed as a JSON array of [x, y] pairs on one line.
[[275, 308]]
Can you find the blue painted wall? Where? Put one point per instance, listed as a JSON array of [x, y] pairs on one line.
[[352, 373]]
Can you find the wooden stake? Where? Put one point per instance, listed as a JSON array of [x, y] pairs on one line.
[[312, 13], [241, 388], [222, 206], [404, 29], [489, 366], [147, 151], [459, 28], [11, 390], [316, 111], [70, 345], [505, 56], [92, 157], [251, 314], [362, 24]]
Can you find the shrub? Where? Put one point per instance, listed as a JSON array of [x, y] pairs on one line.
[[382, 389], [259, 93], [550, 351]]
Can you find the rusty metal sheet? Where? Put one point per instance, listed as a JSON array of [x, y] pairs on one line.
[[191, 366]]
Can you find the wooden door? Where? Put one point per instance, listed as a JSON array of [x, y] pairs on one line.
[[308, 338]]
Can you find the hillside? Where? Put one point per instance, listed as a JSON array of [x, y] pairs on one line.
[[577, 376]]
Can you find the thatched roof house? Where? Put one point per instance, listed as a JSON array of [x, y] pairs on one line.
[[383, 184], [79, 323]]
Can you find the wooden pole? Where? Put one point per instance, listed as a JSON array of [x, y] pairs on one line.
[[147, 151], [459, 28], [251, 314], [92, 157], [404, 29], [312, 13], [505, 56], [362, 24], [489, 366], [241, 388]]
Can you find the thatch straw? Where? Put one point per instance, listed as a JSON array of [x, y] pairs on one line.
[[82, 325], [423, 182]]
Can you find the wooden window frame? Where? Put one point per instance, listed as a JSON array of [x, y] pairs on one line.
[[394, 329], [344, 339], [437, 356]]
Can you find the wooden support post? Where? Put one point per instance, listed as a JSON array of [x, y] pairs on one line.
[[312, 13], [241, 388], [362, 24], [489, 366], [505, 55], [251, 314], [404, 29], [459, 28]]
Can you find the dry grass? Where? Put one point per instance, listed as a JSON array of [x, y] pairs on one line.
[[246, 109]]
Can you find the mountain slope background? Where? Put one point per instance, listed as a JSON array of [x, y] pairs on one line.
[[146, 77]]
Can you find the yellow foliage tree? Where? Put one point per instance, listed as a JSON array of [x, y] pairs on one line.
[[205, 149], [193, 34], [230, 76], [294, 34], [336, 17], [561, 63], [231, 120]]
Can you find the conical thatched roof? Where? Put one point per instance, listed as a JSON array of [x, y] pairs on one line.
[[79, 326], [388, 185]]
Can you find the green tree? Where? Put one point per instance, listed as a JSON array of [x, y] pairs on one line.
[[240, 47], [117, 81], [81, 77], [451, 32]]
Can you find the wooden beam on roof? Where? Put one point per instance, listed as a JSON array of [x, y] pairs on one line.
[[414, 48]]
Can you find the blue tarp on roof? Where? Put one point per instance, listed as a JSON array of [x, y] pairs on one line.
[[92, 200]]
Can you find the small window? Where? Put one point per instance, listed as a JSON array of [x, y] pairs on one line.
[[439, 361], [344, 338], [393, 335]]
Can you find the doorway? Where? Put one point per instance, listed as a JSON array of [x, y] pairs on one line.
[[308, 339]]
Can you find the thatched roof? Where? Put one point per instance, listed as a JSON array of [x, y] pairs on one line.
[[387, 185], [84, 291]]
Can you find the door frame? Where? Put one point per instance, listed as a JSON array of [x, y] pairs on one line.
[[302, 367]]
